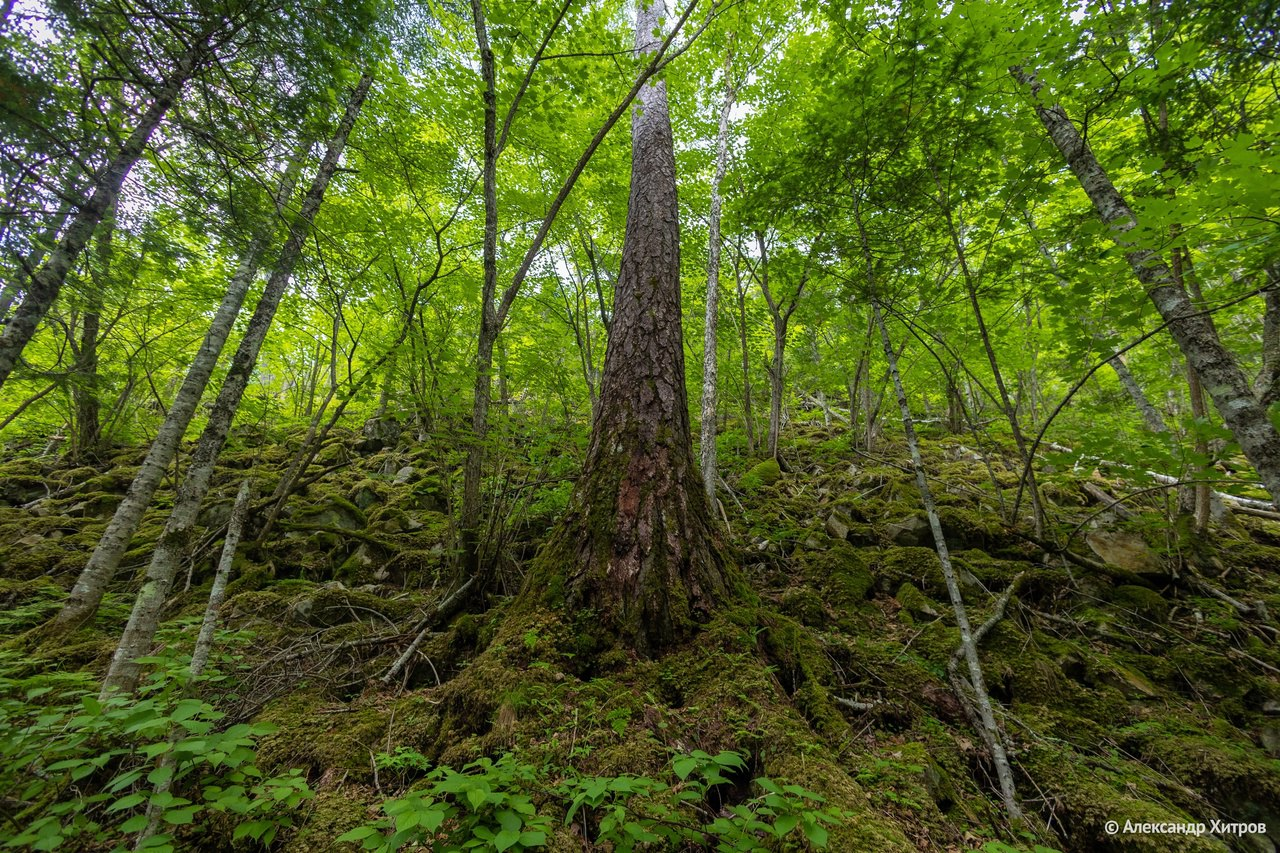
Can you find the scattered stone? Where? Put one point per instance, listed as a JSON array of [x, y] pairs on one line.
[[837, 527], [1123, 550], [912, 531], [1269, 737], [407, 474]]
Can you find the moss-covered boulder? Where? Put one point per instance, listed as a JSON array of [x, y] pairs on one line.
[[765, 473]]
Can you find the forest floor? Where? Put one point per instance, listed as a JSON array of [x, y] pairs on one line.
[[1128, 688]]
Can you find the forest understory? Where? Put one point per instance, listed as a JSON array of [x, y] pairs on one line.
[[631, 425], [1135, 682]]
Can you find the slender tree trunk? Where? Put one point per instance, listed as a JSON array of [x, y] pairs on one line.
[[204, 641], [85, 385], [138, 633], [43, 287], [1266, 387], [473, 469], [748, 416], [709, 348], [775, 383], [990, 732], [1150, 415], [1193, 330], [388, 379], [1200, 504], [637, 543], [84, 388], [1006, 403], [89, 588]]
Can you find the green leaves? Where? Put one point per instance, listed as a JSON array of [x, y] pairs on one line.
[[96, 768]]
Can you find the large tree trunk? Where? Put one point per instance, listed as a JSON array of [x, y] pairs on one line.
[[43, 287], [138, 633], [1193, 330], [709, 363], [493, 316], [637, 535], [89, 588]]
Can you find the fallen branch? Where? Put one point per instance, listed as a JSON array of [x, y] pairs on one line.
[[861, 707], [439, 613], [1166, 480]]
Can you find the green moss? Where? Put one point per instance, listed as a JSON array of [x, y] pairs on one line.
[[332, 812], [918, 566], [1142, 602], [915, 603], [805, 606], [765, 473], [840, 573]]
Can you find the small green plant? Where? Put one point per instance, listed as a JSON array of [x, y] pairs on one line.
[[485, 807], [632, 810], [489, 806], [100, 772]]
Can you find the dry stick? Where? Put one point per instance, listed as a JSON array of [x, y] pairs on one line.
[[985, 722], [204, 645], [439, 613], [1166, 480]]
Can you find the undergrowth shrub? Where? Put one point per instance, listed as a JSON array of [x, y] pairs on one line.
[[489, 806], [154, 770]]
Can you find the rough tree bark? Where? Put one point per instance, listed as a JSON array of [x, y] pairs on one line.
[[43, 287], [709, 364], [1192, 330], [124, 672], [97, 573], [638, 538], [493, 316]]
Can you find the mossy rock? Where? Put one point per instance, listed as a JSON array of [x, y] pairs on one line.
[[1141, 603], [918, 566], [763, 474], [915, 603], [319, 736], [333, 512], [18, 489], [805, 606], [840, 572], [334, 604], [1085, 797]]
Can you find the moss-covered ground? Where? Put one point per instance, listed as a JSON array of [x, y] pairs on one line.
[[1125, 694]]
